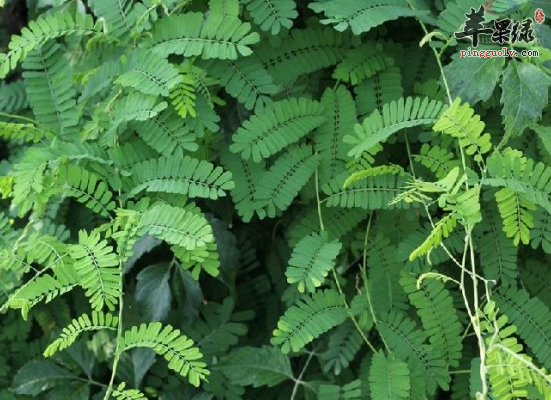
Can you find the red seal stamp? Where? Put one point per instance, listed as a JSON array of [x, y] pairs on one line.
[[540, 16]]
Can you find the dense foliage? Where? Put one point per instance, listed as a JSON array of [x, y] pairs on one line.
[[272, 199]]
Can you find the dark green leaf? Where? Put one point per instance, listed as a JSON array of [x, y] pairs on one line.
[[525, 91]]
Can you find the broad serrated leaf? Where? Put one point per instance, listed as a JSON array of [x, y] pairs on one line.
[[525, 90], [256, 366], [153, 292], [473, 79]]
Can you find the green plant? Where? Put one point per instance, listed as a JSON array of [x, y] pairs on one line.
[[276, 199]]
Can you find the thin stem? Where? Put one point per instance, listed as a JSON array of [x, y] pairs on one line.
[[364, 270], [467, 329], [352, 317], [462, 371], [119, 337], [90, 381], [476, 322], [298, 380], [436, 55], [20, 117], [322, 229], [316, 181], [408, 149]]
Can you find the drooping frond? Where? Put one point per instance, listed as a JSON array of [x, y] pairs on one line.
[[148, 73], [408, 343], [84, 323], [533, 320], [396, 115], [167, 133], [202, 258], [276, 126], [43, 288], [373, 171], [361, 15], [46, 27], [337, 222], [435, 307], [120, 393], [460, 121], [127, 154], [522, 175], [8, 234], [187, 175], [438, 160], [206, 119], [136, 107], [361, 63], [26, 132], [98, 269], [246, 80], [177, 226], [442, 229], [308, 319], [247, 177], [86, 187], [382, 88], [383, 277], [306, 51], [350, 391], [339, 108], [372, 193], [45, 250], [191, 35], [29, 179], [194, 91], [124, 230], [13, 96], [182, 96], [541, 233], [344, 344], [120, 15], [272, 15], [498, 255], [99, 79], [389, 378], [228, 8], [290, 172], [514, 209], [50, 89], [177, 349], [312, 259]]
